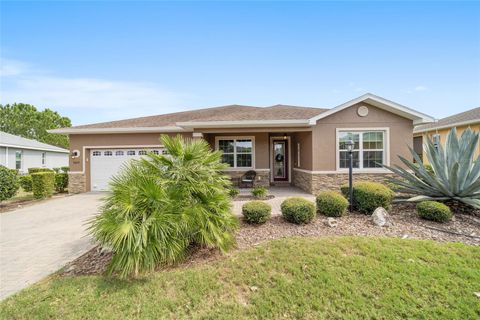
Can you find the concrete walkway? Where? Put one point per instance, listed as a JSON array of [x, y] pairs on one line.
[[37, 240], [280, 193]]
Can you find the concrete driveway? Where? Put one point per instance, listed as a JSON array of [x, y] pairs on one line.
[[40, 239]]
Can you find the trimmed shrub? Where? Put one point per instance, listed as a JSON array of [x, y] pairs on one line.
[[8, 183], [65, 169], [35, 170], [259, 192], [298, 210], [233, 192], [256, 212], [14, 171], [332, 204], [26, 182], [43, 184], [61, 182], [57, 170], [434, 211], [368, 196]]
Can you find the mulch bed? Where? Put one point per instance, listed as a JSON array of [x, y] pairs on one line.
[[404, 224]]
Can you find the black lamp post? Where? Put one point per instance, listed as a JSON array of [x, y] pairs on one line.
[[350, 145]]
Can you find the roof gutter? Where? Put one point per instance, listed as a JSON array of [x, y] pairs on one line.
[[17, 146], [457, 124], [118, 130]]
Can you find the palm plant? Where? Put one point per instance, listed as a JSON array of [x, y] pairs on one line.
[[161, 205], [455, 175]]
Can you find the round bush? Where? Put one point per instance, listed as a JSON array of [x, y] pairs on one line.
[[331, 204], [8, 183], [368, 196], [298, 210], [434, 211], [256, 212], [233, 192], [26, 182], [259, 192]]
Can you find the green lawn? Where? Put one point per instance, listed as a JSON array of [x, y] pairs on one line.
[[334, 278]]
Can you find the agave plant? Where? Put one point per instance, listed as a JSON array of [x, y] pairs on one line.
[[161, 205], [456, 171]]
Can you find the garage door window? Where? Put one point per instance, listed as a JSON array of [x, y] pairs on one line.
[[130, 152], [96, 153], [142, 153], [119, 153], [108, 153], [155, 151]]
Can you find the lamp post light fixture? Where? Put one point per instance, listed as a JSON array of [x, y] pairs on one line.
[[350, 145]]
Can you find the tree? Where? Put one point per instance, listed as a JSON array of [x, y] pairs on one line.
[[26, 121], [162, 205]]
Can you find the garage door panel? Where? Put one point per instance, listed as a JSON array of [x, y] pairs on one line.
[[106, 163]]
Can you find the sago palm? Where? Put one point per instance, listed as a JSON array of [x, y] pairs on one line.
[[162, 204], [456, 171]]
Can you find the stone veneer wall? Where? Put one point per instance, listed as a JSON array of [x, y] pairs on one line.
[[316, 182], [262, 178], [76, 183]]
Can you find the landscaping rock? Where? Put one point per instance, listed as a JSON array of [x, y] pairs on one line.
[[332, 222], [380, 217]]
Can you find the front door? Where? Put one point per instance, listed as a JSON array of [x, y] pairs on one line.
[[280, 160]]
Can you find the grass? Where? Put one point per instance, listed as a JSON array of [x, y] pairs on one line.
[[309, 278]]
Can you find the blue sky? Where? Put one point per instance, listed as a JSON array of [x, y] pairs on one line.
[[101, 61]]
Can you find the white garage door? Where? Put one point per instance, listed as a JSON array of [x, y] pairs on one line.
[[105, 163]]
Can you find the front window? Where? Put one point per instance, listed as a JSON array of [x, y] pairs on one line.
[[238, 153], [18, 160], [44, 158], [368, 149]]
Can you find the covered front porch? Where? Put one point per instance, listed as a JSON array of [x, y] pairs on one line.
[[270, 155]]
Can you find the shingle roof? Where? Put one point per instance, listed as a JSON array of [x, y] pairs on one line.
[[469, 116], [224, 113], [10, 140]]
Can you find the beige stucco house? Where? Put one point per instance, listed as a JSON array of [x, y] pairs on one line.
[[438, 130], [283, 144]]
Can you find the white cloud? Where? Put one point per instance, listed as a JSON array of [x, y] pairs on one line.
[[115, 97], [420, 88], [12, 67]]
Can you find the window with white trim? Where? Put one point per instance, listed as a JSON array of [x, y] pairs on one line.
[[142, 153], [96, 153], [44, 158], [108, 153], [18, 160], [237, 152], [368, 149], [119, 153], [130, 152]]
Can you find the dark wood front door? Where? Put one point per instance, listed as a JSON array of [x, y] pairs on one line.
[[280, 160]]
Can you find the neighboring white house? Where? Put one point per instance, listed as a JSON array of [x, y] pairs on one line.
[[21, 153]]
